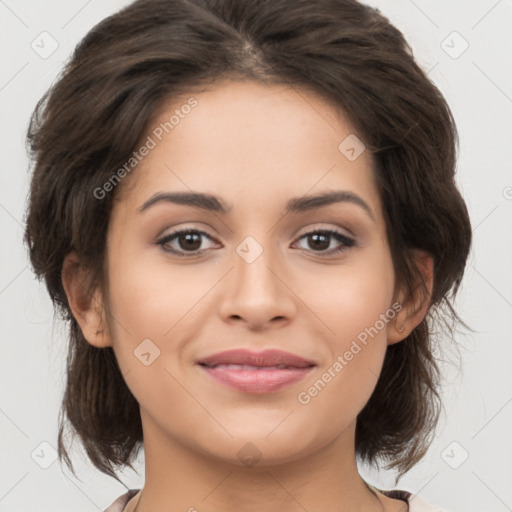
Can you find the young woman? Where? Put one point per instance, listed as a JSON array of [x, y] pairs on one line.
[[247, 213]]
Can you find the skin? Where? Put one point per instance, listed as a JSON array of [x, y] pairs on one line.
[[255, 147]]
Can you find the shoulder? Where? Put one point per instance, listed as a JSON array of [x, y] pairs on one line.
[[120, 503], [415, 502]]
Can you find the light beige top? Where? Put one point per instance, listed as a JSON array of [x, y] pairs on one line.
[[416, 504]]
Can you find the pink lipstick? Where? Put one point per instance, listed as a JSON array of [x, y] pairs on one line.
[[256, 372]]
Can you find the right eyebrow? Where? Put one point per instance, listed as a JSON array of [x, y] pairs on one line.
[[199, 200]]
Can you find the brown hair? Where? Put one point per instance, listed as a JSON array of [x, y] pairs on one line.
[[89, 123]]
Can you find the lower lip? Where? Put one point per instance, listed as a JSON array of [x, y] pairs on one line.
[[257, 381]]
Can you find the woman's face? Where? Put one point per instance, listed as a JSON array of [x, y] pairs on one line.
[[276, 270]]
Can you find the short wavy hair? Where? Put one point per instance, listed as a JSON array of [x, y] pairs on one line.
[[91, 120]]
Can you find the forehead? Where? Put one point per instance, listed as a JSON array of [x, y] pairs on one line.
[[253, 140]]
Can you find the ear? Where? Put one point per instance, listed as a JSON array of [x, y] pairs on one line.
[[414, 311], [88, 311]]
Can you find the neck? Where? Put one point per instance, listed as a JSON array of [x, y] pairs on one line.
[[183, 478]]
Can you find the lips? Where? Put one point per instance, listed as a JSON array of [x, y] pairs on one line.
[[266, 359], [256, 372]]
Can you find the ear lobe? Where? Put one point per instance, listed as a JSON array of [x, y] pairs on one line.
[[88, 311], [414, 310]]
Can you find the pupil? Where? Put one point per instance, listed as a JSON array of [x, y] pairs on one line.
[[322, 239], [190, 241]]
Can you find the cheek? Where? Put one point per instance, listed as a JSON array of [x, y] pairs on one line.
[[353, 305], [349, 299], [153, 309], [152, 300]]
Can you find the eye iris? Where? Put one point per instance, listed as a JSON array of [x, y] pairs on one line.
[[190, 241], [320, 241]]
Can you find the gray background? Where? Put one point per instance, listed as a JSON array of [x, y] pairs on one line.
[[477, 83]]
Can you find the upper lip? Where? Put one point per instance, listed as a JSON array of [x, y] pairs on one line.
[[271, 357]]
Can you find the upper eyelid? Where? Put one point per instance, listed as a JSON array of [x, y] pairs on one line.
[[200, 230], [326, 228], [185, 230]]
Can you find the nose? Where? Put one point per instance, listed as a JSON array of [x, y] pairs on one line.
[[256, 294]]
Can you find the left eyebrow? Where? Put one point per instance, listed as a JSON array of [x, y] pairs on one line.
[[297, 204], [304, 203]]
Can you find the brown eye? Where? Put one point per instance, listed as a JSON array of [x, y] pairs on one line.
[[184, 241], [321, 240], [189, 241]]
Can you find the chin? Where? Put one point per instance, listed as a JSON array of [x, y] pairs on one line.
[[261, 450]]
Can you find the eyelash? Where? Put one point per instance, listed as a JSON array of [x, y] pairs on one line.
[[338, 236]]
